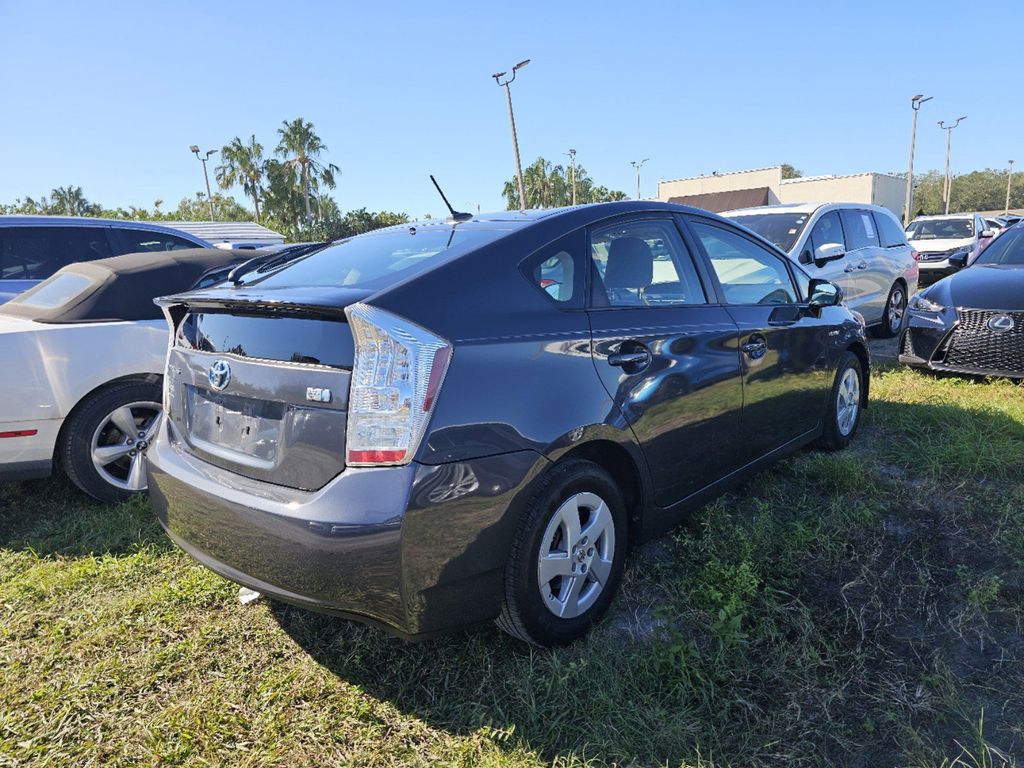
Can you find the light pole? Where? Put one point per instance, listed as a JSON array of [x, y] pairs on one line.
[[638, 166], [915, 104], [512, 119], [572, 165], [206, 176], [948, 187], [1009, 178]]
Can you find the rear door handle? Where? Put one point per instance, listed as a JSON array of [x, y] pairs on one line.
[[630, 359], [862, 265]]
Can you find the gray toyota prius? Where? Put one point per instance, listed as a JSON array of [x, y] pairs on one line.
[[445, 423]]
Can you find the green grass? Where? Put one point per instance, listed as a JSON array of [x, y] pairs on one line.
[[862, 608]]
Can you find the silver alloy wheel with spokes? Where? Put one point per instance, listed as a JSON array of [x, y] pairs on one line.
[[576, 555], [848, 401], [120, 442], [894, 312]]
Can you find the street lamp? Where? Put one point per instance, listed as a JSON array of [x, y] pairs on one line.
[[915, 104], [638, 166], [572, 164], [512, 119], [1009, 178], [206, 176], [948, 188]]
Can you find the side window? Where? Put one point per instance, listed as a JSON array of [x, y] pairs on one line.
[[556, 270], [827, 230], [860, 229], [25, 254], [803, 283], [749, 273], [73, 244], [890, 231], [139, 240], [644, 263]]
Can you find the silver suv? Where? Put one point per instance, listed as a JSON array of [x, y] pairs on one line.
[[861, 248]]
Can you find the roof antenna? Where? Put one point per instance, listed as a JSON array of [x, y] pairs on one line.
[[456, 216]]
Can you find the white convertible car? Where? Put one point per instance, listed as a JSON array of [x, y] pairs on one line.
[[81, 361]]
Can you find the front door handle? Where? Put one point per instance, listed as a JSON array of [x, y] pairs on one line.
[[637, 359], [755, 349]]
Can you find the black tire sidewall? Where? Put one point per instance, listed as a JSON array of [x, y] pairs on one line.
[[542, 626], [832, 438], [76, 440], [882, 330]]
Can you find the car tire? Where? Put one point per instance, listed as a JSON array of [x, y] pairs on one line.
[[98, 430], [840, 422], [591, 552], [894, 314]]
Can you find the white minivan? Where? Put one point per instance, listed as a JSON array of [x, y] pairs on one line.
[[861, 248]]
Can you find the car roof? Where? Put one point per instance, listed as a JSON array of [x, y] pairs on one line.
[[123, 287], [26, 220], [804, 208]]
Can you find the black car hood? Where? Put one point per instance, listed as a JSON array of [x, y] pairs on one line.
[[982, 287]]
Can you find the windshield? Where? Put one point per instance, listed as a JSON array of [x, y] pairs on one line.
[[377, 260], [941, 229], [783, 229], [1007, 249]]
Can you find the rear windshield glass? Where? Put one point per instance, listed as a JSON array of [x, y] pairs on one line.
[[941, 229], [377, 260], [55, 292], [783, 229]]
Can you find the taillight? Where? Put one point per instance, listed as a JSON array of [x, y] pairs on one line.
[[915, 255], [398, 371]]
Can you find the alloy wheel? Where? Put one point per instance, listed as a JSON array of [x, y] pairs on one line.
[[894, 312], [576, 555], [120, 442], [848, 401]]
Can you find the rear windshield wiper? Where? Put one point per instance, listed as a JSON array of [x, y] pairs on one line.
[[269, 260]]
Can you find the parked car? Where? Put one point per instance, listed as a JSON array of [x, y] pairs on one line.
[[973, 321], [440, 424], [861, 248], [34, 247], [937, 238], [84, 355]]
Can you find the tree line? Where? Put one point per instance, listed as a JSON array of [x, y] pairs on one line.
[[975, 191], [550, 186], [288, 192]]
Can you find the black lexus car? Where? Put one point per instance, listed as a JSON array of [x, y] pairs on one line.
[[973, 321], [440, 424]]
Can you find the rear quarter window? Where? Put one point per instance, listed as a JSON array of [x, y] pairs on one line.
[[890, 232]]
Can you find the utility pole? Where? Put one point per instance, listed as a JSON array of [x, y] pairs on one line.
[[638, 166], [512, 119], [206, 176], [572, 166], [948, 187], [1009, 178], [915, 104]]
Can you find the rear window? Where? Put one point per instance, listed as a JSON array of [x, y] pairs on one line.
[[55, 292], [379, 259]]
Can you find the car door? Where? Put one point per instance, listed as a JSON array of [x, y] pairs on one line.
[[828, 230], [868, 294], [666, 352], [784, 348]]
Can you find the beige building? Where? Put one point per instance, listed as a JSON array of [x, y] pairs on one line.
[[765, 186]]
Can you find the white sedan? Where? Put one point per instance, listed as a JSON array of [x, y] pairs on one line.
[[81, 363]]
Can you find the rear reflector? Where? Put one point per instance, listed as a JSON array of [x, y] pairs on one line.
[[376, 457], [20, 433]]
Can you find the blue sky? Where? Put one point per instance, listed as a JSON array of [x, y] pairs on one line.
[[109, 96]]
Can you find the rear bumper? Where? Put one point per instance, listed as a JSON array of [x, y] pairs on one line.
[[29, 456], [418, 549]]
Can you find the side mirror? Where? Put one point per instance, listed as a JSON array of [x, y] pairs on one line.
[[959, 259], [823, 293], [988, 233], [828, 252]]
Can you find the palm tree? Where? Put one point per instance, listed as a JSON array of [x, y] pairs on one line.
[[300, 147], [70, 201], [243, 164]]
